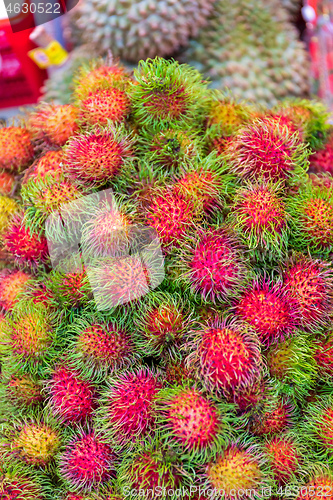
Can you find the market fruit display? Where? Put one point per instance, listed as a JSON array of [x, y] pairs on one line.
[[166, 293]]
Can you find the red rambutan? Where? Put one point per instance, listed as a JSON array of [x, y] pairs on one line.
[[225, 355], [271, 421], [127, 407], [47, 165], [16, 149], [269, 309], [323, 355], [97, 77], [250, 397], [87, 462], [16, 485], [322, 160], [212, 265], [71, 398], [71, 289], [171, 148], [12, 284], [320, 484], [54, 123], [284, 457], [105, 105]]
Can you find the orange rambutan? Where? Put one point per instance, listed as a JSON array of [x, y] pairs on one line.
[[16, 149], [54, 123], [110, 104], [7, 183], [12, 283], [47, 165]]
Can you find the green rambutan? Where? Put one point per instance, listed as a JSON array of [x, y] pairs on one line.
[[127, 408], [268, 151], [99, 347], [310, 283], [23, 390], [316, 428], [8, 208], [13, 283], [87, 461], [193, 422], [7, 183], [285, 457], [72, 400], [97, 155], [70, 289], [166, 91], [161, 323], [225, 355], [259, 218], [17, 484], [311, 212], [239, 467], [54, 123], [16, 149], [311, 117], [49, 164], [29, 248], [150, 468], [212, 265], [104, 106], [269, 309]]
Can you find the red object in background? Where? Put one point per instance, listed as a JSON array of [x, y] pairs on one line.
[[20, 77]]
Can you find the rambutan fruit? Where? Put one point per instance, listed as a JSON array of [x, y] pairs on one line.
[[23, 390], [319, 484], [267, 151], [168, 92], [238, 468], [311, 212], [96, 76], [70, 289], [323, 355], [316, 428], [99, 347], [161, 322], [12, 283], [321, 179], [171, 216], [193, 422], [97, 155], [104, 106], [71, 399], [54, 123], [226, 115], [17, 484], [87, 462], [310, 284], [285, 457], [225, 355], [127, 408], [250, 397], [35, 441], [259, 218], [212, 265], [150, 468], [16, 149], [291, 362], [29, 248], [29, 336], [272, 418], [49, 164], [176, 372], [311, 117], [322, 160], [269, 309], [8, 208], [7, 183]]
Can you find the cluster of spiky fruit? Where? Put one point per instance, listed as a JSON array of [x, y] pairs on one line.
[[167, 300]]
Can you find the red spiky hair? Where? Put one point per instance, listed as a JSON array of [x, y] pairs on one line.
[[105, 105], [272, 421], [314, 488], [322, 160], [96, 156], [28, 247], [310, 283], [87, 462], [323, 354], [269, 309], [71, 398], [127, 410], [54, 123], [16, 149], [97, 78], [265, 150], [284, 457], [225, 355], [12, 283]]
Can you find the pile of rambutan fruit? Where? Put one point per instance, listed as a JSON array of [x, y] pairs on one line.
[[216, 382]]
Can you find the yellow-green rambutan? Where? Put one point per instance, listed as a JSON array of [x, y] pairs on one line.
[[8, 208]]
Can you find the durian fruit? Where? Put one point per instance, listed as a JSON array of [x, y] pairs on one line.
[[137, 29], [250, 47]]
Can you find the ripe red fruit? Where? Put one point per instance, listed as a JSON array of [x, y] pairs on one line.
[[284, 457], [16, 149], [103, 105], [12, 283]]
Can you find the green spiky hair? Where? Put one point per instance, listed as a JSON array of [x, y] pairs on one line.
[[161, 322], [259, 218], [286, 455], [29, 337], [22, 482], [153, 465], [167, 91], [192, 422], [292, 365], [311, 212], [99, 346], [19, 389], [311, 117]]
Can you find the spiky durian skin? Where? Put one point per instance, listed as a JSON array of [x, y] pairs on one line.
[[225, 355], [166, 91], [255, 52], [136, 31]]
